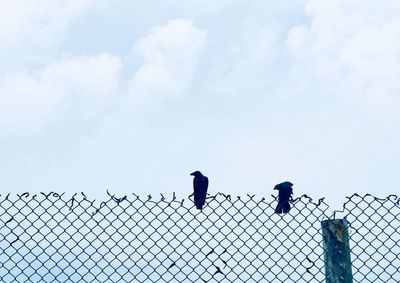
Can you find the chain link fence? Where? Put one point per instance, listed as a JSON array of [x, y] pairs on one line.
[[51, 238]]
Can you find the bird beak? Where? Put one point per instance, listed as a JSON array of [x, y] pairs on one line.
[[192, 174]]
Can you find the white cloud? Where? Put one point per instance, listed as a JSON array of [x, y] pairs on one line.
[[351, 48], [82, 85], [25, 102], [266, 44], [283, 92], [170, 54], [41, 21], [250, 66]]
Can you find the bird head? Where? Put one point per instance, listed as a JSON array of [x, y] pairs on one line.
[[196, 174], [284, 184]]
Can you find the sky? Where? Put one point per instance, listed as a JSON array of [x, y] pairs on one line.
[[133, 96]]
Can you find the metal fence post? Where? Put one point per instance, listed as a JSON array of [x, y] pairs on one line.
[[335, 236]]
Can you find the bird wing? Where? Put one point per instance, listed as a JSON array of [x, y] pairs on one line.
[[200, 186], [205, 184]]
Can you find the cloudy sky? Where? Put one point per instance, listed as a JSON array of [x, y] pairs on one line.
[[132, 96]]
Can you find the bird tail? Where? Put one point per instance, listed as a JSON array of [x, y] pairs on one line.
[[282, 207], [199, 201]]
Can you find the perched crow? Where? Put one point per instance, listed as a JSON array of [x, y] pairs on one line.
[[285, 194], [200, 185]]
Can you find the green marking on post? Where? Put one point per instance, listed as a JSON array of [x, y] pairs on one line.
[[335, 234]]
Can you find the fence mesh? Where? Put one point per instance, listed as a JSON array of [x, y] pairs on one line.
[[51, 238]]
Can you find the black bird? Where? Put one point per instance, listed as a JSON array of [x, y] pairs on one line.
[[285, 194], [200, 185]]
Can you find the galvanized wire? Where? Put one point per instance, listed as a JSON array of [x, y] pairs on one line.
[[51, 238], [374, 237]]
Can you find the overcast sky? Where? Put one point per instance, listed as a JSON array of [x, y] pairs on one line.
[[133, 96]]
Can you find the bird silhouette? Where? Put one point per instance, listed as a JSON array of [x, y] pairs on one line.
[[285, 194], [200, 185]]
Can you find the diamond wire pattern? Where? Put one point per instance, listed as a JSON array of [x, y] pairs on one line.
[[374, 237], [48, 238]]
